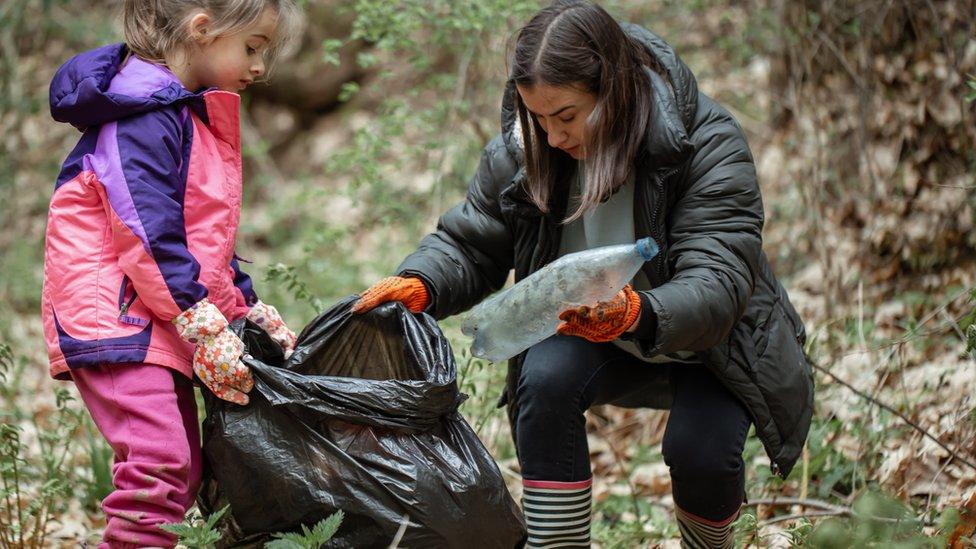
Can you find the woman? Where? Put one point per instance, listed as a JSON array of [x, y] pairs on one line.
[[607, 139]]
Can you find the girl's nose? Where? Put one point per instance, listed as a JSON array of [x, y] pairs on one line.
[[257, 69]]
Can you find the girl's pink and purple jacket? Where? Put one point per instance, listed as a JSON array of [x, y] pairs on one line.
[[144, 214]]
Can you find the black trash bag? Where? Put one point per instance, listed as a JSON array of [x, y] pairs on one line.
[[363, 417]]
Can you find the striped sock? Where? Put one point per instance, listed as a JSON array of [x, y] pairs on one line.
[[557, 513], [701, 533]]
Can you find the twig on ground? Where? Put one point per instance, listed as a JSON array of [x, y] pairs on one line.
[[797, 516], [823, 509], [955, 325], [797, 501]]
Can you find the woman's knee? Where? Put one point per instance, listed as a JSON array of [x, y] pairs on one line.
[[700, 455], [707, 428], [555, 370]]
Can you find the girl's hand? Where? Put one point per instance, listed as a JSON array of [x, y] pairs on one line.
[[269, 320], [217, 359], [605, 321], [408, 290]]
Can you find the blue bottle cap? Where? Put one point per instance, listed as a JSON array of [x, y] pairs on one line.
[[647, 248]]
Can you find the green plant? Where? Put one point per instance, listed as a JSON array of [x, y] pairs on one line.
[[195, 531], [34, 486], [10, 473], [620, 534], [626, 520], [10, 374], [285, 275], [746, 529], [98, 482], [309, 538], [799, 532], [475, 378]]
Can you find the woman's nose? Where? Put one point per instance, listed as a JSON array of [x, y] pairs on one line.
[[555, 137]]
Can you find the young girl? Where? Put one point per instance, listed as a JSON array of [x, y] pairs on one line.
[[606, 139], [140, 275]]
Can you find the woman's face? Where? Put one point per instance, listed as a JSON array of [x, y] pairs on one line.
[[562, 112]]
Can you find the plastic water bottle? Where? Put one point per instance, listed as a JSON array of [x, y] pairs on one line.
[[515, 319]]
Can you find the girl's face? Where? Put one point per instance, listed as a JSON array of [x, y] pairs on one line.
[[562, 112], [230, 62]]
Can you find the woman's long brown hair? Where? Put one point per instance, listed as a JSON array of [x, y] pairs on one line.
[[577, 44]]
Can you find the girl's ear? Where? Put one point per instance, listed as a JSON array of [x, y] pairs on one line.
[[200, 27]]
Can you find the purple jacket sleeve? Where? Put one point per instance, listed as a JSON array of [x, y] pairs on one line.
[[243, 282], [144, 180]]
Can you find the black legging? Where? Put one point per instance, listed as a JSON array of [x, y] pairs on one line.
[[563, 376]]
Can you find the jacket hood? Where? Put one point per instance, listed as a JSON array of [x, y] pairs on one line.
[[101, 85], [676, 101]]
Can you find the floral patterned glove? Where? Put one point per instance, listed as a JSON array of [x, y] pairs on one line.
[[217, 360], [268, 319], [605, 321]]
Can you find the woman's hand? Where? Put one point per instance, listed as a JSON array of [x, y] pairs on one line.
[[408, 290], [605, 321]]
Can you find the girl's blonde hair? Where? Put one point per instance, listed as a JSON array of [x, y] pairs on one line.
[[154, 27]]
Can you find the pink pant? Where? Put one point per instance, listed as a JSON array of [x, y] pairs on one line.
[[148, 415]]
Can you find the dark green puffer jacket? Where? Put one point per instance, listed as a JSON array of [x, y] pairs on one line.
[[697, 196]]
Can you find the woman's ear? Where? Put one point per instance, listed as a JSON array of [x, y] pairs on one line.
[[200, 29]]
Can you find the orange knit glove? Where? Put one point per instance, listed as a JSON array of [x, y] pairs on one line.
[[603, 322], [408, 290]]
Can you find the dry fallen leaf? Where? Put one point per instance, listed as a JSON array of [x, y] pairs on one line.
[[966, 527]]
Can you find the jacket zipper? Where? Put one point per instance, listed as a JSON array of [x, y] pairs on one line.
[[124, 305], [655, 214]]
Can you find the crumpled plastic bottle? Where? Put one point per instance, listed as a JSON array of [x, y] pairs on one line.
[[515, 319]]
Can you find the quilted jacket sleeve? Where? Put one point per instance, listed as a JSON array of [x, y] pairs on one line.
[[715, 236]]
